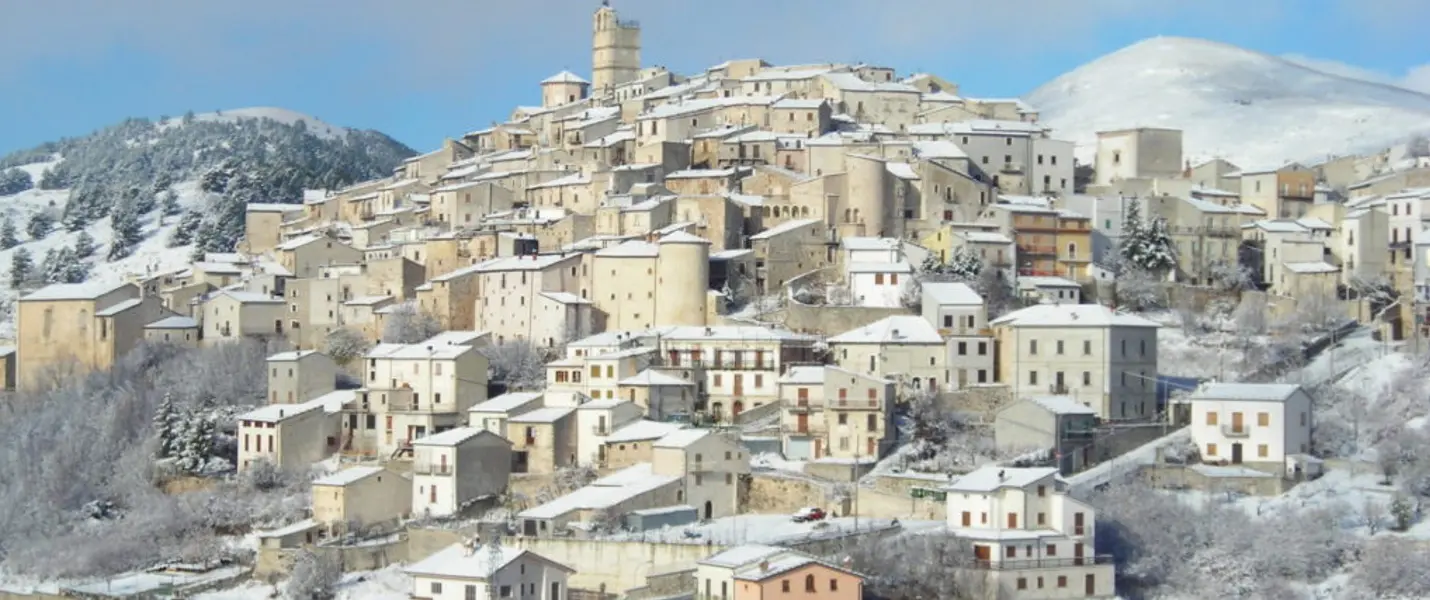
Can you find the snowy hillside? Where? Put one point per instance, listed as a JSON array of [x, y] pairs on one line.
[[281, 115], [150, 255], [1254, 109]]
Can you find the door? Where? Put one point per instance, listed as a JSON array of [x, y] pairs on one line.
[[739, 406], [739, 385], [802, 423], [1012, 520], [818, 448], [1089, 584], [709, 510], [1236, 423], [432, 494], [1236, 454], [1077, 553], [967, 519], [1077, 524]]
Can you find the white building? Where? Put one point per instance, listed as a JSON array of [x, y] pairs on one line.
[[903, 348], [457, 466], [1031, 538], [878, 284], [1251, 423], [292, 436], [485, 572], [1101, 358]]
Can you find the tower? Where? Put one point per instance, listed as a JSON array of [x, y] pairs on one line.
[[563, 88], [615, 50], [682, 270]]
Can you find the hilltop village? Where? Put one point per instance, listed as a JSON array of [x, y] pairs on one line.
[[699, 336]]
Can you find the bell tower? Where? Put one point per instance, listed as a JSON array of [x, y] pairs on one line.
[[615, 50]]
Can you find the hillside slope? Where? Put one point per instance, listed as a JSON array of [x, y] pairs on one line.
[[212, 164], [1251, 108]]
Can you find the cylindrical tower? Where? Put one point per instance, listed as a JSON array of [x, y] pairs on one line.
[[682, 271], [868, 198]]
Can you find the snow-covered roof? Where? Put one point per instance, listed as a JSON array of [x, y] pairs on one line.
[[945, 293], [276, 413], [984, 237], [1311, 267], [272, 207], [522, 262], [174, 322], [1274, 226], [896, 329], [1045, 281], [565, 77], [879, 267], [705, 173], [550, 414], [564, 298], [745, 333], [992, 477], [249, 297], [799, 103], [1251, 392], [902, 170], [642, 430], [603, 493], [455, 338], [299, 242], [1314, 223], [681, 438], [1071, 315], [460, 562], [291, 355], [780, 565], [740, 556], [505, 402], [783, 228], [118, 307], [852, 83], [367, 300], [1062, 405], [348, 476], [653, 377], [417, 351], [803, 375], [630, 249], [451, 437], [938, 149], [89, 290]]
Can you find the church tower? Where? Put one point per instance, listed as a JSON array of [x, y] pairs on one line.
[[615, 50]]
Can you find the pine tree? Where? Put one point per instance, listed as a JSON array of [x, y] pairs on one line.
[[965, 265], [189, 226], [1128, 246], [75, 219], [1159, 254], [196, 443], [170, 205], [62, 266], [40, 225], [84, 245], [127, 233], [8, 234], [21, 268], [166, 427]]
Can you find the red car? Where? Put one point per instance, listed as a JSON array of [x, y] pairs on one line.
[[808, 515]]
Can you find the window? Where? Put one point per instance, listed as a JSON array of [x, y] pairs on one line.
[[1303, 419], [436, 587], [1211, 418], [1087, 348], [833, 585], [1060, 347], [1263, 419], [1262, 451], [471, 592], [1086, 378], [784, 586], [1011, 552], [1062, 581], [1211, 449], [1052, 550], [962, 348], [982, 348], [1042, 491], [1042, 519], [1033, 347], [809, 583], [1022, 583]]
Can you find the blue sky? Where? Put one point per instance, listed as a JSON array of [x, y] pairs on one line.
[[420, 70]]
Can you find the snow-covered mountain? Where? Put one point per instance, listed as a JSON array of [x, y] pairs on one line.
[[212, 162], [1251, 108]]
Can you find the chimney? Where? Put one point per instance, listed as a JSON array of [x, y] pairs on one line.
[[1002, 475], [764, 566], [280, 413]]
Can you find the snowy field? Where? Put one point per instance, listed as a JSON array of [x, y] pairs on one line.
[[384, 584], [763, 529], [1253, 109], [150, 256]]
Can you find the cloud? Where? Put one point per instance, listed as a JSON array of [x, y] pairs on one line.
[[428, 43], [1416, 78]]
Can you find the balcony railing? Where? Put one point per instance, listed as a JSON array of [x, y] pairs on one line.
[[714, 365], [1058, 389], [600, 430], [803, 408], [1036, 249], [847, 403], [1232, 430], [437, 469], [1021, 564]]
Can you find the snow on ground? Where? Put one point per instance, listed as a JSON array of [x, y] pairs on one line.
[[1212, 355], [1357, 348], [281, 115], [763, 529], [1253, 109], [152, 254], [389, 583], [776, 462]]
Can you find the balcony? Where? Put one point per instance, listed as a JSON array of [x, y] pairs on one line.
[[1024, 564], [1058, 389], [802, 408], [729, 365], [1025, 249], [600, 430], [1235, 431], [856, 404], [430, 469]]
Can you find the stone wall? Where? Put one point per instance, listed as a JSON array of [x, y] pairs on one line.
[[879, 504], [362, 556], [616, 565], [834, 320], [845, 471], [773, 494], [1178, 476], [983, 400]]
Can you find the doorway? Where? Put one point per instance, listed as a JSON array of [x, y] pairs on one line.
[[709, 510], [1089, 584], [1077, 554], [736, 408], [1236, 454]]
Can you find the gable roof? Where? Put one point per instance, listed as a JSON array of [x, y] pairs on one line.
[[993, 477], [1248, 392], [1071, 315]]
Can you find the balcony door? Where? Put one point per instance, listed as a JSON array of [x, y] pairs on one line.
[[1236, 423]]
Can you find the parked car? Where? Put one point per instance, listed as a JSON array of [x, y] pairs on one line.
[[809, 514]]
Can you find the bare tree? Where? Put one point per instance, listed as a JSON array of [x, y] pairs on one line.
[[314, 577], [518, 364], [1372, 515], [405, 324], [1393, 567], [345, 344], [936, 565]]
